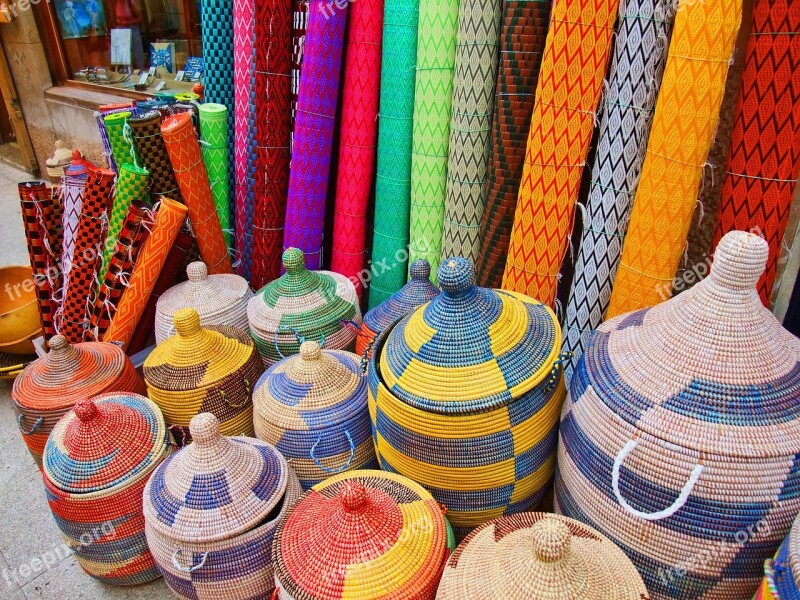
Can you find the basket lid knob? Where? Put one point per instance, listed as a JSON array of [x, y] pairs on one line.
[[420, 269], [739, 260], [197, 271], [58, 342], [310, 351], [187, 322], [85, 410], [551, 540], [204, 428], [456, 276], [354, 495], [293, 260]]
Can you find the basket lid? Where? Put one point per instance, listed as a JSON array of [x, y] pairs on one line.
[[416, 292], [319, 387], [470, 348], [68, 373], [105, 441], [711, 369], [216, 487], [794, 551], [538, 555], [196, 357], [370, 533]]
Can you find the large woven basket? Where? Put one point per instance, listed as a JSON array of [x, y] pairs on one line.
[[465, 394], [782, 574], [529, 556], [313, 408], [211, 510], [50, 386], [363, 534], [680, 438], [96, 464], [212, 369], [218, 299], [303, 305]]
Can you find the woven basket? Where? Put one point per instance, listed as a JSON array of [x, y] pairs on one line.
[[313, 305], [211, 510], [782, 574], [49, 387], [96, 463], [218, 299], [313, 408], [465, 394], [415, 293], [199, 370], [362, 534], [536, 555], [680, 439]]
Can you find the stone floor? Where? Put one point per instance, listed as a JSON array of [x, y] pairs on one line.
[[33, 561]]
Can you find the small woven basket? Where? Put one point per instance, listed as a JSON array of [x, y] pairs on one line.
[[313, 408], [680, 438], [782, 574], [96, 463], [211, 511], [362, 534], [50, 386], [303, 305], [218, 299], [200, 369]]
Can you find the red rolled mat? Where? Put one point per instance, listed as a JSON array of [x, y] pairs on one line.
[[180, 139], [764, 160], [358, 137]]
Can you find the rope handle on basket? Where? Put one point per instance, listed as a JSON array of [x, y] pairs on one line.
[[558, 365], [351, 325], [183, 569], [35, 426], [243, 402], [662, 514], [300, 338], [345, 466], [365, 356]]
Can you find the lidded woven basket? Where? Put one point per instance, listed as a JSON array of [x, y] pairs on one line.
[[529, 556], [303, 304], [416, 292], [680, 437], [51, 385], [465, 394], [782, 574], [96, 463], [211, 510], [211, 369], [218, 299], [362, 534], [313, 408]]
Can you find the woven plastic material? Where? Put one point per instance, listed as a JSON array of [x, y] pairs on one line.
[[637, 64], [72, 186], [313, 130], [211, 511], [96, 464], [464, 396], [214, 147], [146, 133], [365, 534], [119, 139], [357, 138], [570, 83], [218, 299], [665, 405], [300, 305], [764, 160], [433, 97], [299, 22], [782, 574], [474, 80], [51, 385], [686, 116]]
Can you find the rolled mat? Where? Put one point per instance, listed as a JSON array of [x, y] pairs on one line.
[[687, 112], [214, 146], [359, 130], [470, 125], [569, 87], [313, 130], [81, 283], [72, 200], [433, 96], [168, 220], [637, 65], [184, 153], [100, 116], [299, 22], [146, 133], [119, 138], [765, 155], [393, 179], [273, 79]]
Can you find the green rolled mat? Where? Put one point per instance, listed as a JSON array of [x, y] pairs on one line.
[[214, 145], [121, 144], [133, 184], [433, 97]]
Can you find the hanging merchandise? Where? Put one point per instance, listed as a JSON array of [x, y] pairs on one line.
[[119, 139], [567, 93], [72, 186], [470, 125], [686, 116], [313, 130], [782, 574], [637, 64], [146, 133], [214, 148]]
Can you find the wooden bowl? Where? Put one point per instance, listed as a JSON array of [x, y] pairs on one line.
[[19, 311]]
